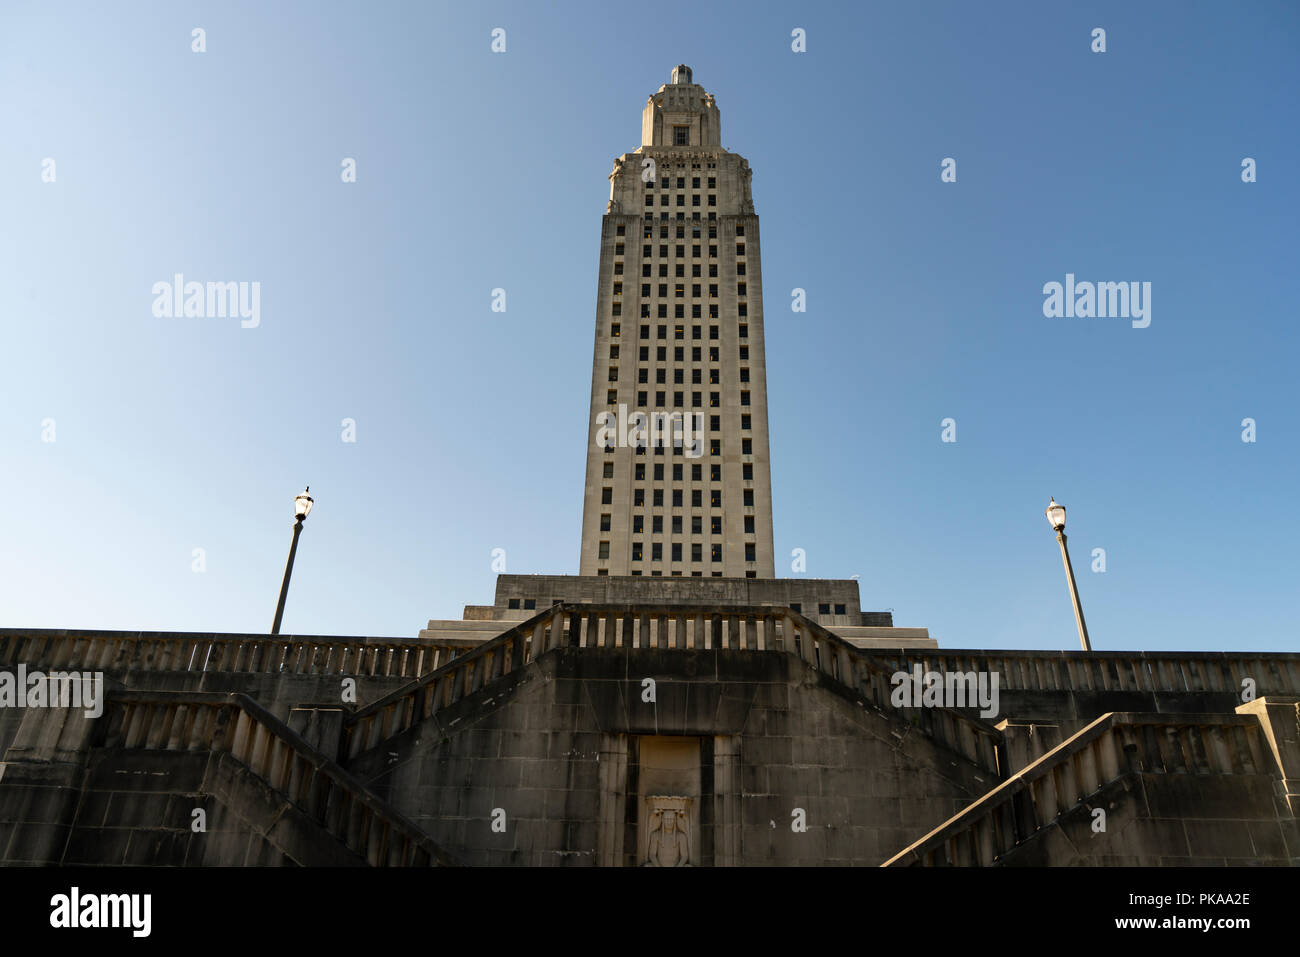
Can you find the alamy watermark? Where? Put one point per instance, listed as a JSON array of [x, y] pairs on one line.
[[945, 689], [1100, 300], [58, 689], [651, 430], [212, 300]]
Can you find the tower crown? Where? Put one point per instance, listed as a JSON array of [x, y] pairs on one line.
[[681, 113]]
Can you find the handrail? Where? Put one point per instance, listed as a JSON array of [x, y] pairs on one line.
[[1116, 744], [317, 786], [663, 627], [1146, 671], [122, 651]]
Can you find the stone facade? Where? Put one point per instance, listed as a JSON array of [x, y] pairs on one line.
[[679, 329]]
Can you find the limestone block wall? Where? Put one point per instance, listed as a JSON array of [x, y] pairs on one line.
[[794, 769]]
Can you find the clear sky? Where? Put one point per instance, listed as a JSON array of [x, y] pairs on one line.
[[479, 170]]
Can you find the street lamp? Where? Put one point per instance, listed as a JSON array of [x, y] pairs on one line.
[[301, 507], [1056, 515]]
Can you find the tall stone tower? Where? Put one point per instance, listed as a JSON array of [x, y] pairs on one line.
[[678, 475]]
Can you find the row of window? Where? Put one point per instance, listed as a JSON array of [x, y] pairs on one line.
[[679, 290], [665, 182], [679, 332], [657, 497], [697, 552], [661, 355], [657, 524], [679, 311], [647, 230], [681, 199], [679, 399], [679, 252]]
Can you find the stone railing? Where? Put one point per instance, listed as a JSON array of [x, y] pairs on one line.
[[124, 651], [318, 787], [1146, 671], [1111, 746], [662, 627]]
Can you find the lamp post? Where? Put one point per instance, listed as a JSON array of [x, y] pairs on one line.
[[301, 506], [1056, 515]]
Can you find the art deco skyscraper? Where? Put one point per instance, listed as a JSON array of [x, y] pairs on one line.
[[679, 332]]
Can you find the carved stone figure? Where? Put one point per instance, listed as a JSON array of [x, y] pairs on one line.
[[669, 842]]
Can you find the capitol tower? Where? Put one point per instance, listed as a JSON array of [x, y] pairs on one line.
[[679, 339]]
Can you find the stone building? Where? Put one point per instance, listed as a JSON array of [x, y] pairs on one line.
[[669, 709]]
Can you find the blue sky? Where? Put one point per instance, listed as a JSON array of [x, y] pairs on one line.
[[478, 170]]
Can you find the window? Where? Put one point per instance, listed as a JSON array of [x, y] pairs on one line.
[[645, 354], [695, 182], [642, 375], [744, 331], [744, 354], [749, 524], [746, 446], [613, 373], [716, 524], [609, 470], [713, 183], [823, 609], [662, 331], [681, 136], [740, 249], [661, 353], [744, 398], [677, 473], [530, 603], [677, 498], [604, 523], [744, 375], [619, 230], [616, 330], [697, 498], [696, 398], [713, 332], [745, 422], [697, 473], [618, 268], [639, 473], [740, 269], [677, 524], [659, 471], [697, 525], [715, 447], [658, 497], [715, 498], [656, 552], [751, 553], [657, 524], [613, 352], [604, 550], [638, 524], [607, 496], [717, 553], [642, 397], [796, 606], [697, 553], [636, 551], [713, 399], [611, 397], [677, 552], [512, 603], [839, 610], [749, 498], [638, 498], [645, 332], [747, 472], [740, 229]]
